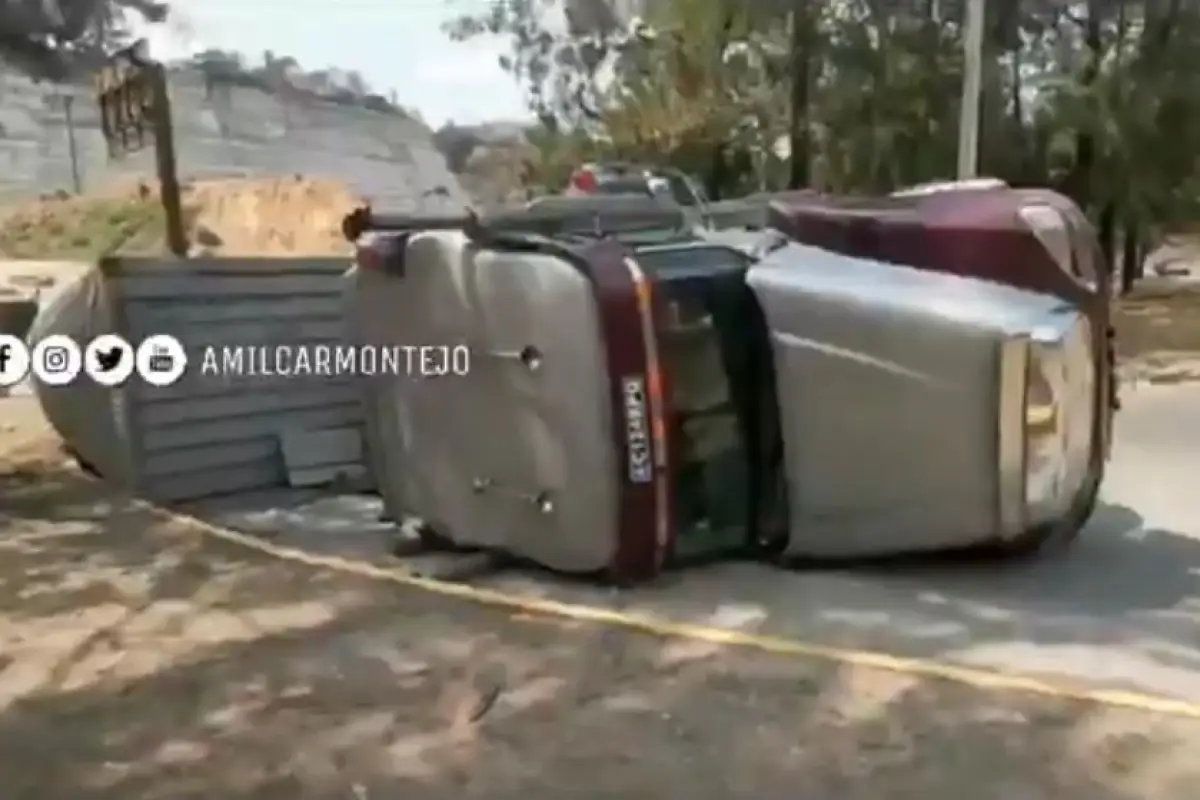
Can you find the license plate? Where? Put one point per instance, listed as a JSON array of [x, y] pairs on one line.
[[637, 429]]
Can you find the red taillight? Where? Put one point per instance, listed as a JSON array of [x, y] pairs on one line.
[[584, 180], [369, 258], [381, 255]]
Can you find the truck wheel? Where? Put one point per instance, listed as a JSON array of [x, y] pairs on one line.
[[436, 542]]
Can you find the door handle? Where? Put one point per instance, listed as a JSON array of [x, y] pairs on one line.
[[529, 356]]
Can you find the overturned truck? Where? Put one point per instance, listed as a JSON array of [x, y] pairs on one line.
[[642, 394]]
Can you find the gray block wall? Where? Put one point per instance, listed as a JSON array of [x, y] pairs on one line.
[[222, 129]]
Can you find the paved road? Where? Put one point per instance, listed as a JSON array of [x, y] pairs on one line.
[[1121, 607]]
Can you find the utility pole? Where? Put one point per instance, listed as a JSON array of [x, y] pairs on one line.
[[132, 93], [76, 183], [968, 126], [801, 58]]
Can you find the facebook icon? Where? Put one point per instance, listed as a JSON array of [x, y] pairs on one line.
[[14, 360]]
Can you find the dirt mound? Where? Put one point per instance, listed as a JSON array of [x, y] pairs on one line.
[[1158, 316], [239, 217], [270, 217]]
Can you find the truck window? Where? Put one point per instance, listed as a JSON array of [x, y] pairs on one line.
[[697, 189], [681, 191]]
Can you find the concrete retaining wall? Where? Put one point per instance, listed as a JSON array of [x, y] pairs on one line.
[[221, 129]]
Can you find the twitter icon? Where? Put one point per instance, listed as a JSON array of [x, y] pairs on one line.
[[108, 360]]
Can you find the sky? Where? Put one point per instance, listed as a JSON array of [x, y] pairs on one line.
[[394, 44]]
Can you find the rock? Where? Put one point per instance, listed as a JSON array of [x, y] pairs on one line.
[[207, 238]]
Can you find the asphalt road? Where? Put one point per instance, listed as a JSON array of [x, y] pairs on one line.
[[1119, 608]]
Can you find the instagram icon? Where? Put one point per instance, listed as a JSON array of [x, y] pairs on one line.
[[57, 360]]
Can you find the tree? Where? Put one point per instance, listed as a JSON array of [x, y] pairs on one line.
[[689, 85], [356, 84], [1099, 99], [277, 71], [54, 39], [456, 144], [802, 28], [218, 63], [558, 72], [696, 87]]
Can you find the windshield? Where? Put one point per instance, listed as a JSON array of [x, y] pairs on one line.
[[623, 185], [684, 190]]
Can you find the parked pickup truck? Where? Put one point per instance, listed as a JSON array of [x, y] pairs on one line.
[[625, 178]]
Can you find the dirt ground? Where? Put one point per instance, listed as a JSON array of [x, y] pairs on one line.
[[232, 217], [1159, 315], [140, 660], [1158, 331]]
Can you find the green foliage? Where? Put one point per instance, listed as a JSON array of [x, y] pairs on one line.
[[1099, 98], [556, 154], [56, 40], [84, 228], [344, 87]]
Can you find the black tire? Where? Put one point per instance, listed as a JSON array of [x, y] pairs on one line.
[[616, 579], [439, 543]]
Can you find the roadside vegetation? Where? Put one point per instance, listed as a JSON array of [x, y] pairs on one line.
[[237, 217], [82, 228], [1099, 99]]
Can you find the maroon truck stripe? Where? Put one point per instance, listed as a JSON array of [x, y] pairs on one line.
[[638, 554]]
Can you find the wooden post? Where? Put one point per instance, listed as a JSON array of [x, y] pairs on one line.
[[72, 148], [164, 152]]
